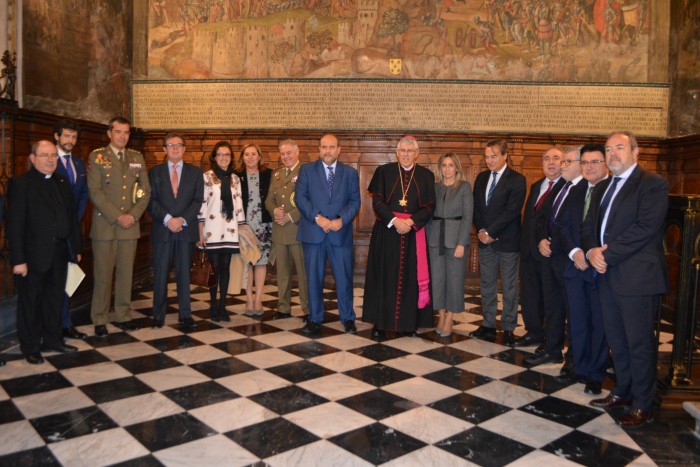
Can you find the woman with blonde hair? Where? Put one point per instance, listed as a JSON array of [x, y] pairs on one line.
[[448, 240]]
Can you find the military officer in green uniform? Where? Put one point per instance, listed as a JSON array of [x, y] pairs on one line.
[[285, 246], [119, 191]]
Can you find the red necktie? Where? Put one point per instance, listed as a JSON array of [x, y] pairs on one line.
[[544, 195]]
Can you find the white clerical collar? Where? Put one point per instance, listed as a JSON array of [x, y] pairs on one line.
[[409, 168]]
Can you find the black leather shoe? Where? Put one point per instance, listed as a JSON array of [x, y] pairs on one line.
[[484, 333], [281, 315], [593, 388], [610, 401], [311, 329], [2, 362], [407, 334], [378, 333], [72, 333], [544, 358], [126, 326], [634, 418], [187, 323], [34, 358], [508, 338], [350, 327], [223, 315], [60, 348], [157, 323], [539, 350], [526, 341], [101, 330]]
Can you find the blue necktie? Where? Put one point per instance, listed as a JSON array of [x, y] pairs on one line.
[[69, 169], [606, 201], [557, 205], [331, 179], [491, 188]]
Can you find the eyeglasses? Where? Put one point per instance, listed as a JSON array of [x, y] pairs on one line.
[[567, 163], [223, 154], [175, 145], [591, 163]]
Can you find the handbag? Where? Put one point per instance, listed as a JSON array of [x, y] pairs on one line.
[[202, 271]]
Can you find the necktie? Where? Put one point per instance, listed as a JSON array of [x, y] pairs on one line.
[[606, 200], [286, 172], [331, 180], [491, 188], [120, 156], [69, 169], [174, 180], [557, 205], [544, 195], [587, 202]]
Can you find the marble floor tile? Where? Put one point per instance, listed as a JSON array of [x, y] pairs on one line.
[[148, 363], [315, 419], [457, 378], [429, 456], [378, 404], [378, 352], [213, 451], [470, 408], [198, 354], [449, 355], [526, 428], [240, 346], [216, 336], [141, 408], [271, 437], [536, 381], [377, 443], [426, 424], [420, 390], [605, 427], [268, 358], [170, 378], [280, 339], [115, 389], [95, 373], [178, 342], [103, 448], [18, 436], [541, 458], [341, 361], [72, 424], [321, 453], [412, 344], [589, 450], [574, 393], [52, 402], [484, 447], [35, 383], [9, 412], [169, 431], [506, 394], [479, 347], [37, 456], [76, 359], [222, 367], [146, 334], [415, 364], [232, 414], [253, 382], [309, 349], [288, 399], [297, 372], [199, 395], [346, 341], [492, 368], [134, 349], [336, 386], [561, 411], [3, 394], [378, 375]]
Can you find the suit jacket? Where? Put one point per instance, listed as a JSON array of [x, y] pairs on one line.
[[449, 204], [634, 233], [312, 198], [31, 220], [80, 190], [264, 189], [190, 195], [566, 231], [501, 218], [110, 184], [534, 223], [281, 194]]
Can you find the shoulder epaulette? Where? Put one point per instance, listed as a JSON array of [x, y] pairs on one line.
[[98, 150]]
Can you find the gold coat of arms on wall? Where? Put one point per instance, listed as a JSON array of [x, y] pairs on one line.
[[395, 66]]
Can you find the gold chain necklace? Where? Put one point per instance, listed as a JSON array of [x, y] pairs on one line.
[[403, 201]]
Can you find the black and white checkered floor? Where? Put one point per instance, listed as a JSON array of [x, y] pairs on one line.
[[258, 392]]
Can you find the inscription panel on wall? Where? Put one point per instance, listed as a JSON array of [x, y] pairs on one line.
[[403, 106]]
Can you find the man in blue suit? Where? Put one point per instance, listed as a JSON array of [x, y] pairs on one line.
[[622, 236], [177, 192], [73, 168], [328, 197]]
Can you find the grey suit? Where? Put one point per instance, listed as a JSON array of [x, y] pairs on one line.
[[453, 214]]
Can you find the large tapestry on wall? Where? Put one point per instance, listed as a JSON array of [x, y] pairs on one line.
[[489, 40], [77, 57]]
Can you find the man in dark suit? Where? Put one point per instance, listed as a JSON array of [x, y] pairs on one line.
[[623, 240], [328, 196], [499, 193], [43, 235], [72, 168], [177, 192], [586, 334], [538, 290]]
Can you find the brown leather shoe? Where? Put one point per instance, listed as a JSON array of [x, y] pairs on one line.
[[609, 401], [635, 417]]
